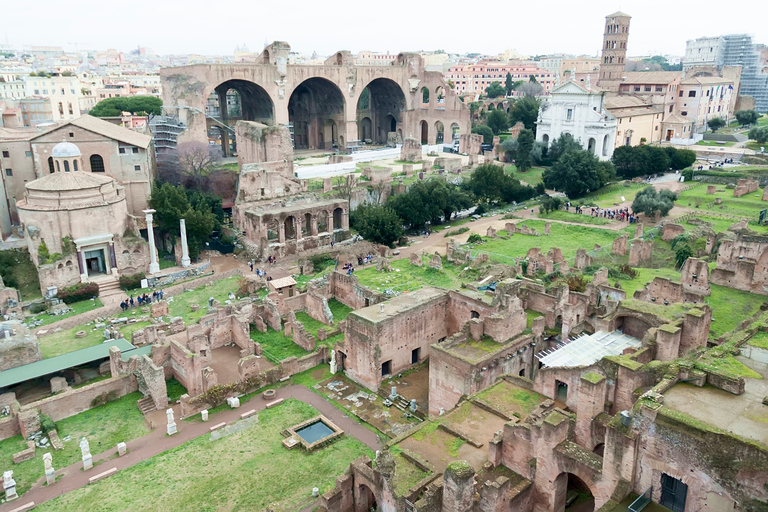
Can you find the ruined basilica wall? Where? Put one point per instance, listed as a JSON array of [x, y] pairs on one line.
[[75, 401], [460, 310]]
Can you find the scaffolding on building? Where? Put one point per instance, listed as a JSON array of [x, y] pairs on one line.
[[740, 50]]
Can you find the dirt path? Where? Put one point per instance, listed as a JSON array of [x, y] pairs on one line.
[[72, 477]]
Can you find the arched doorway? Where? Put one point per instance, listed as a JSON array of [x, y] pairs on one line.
[[455, 131], [572, 494], [236, 100], [591, 145], [366, 500], [440, 97], [383, 102], [315, 107], [439, 129], [605, 145], [545, 139], [307, 227], [338, 213], [366, 129], [289, 226], [632, 326], [322, 221], [424, 132]]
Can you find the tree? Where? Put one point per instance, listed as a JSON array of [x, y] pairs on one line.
[[575, 173], [377, 223], [509, 84], [681, 158], [682, 253], [530, 89], [485, 131], [550, 204], [494, 90], [526, 111], [497, 121], [345, 185], [172, 203], [715, 123], [490, 183], [759, 134], [650, 202], [633, 161], [137, 105], [200, 225], [524, 146], [745, 117], [197, 161], [430, 201], [562, 145]]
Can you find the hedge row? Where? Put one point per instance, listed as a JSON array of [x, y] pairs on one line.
[[82, 291], [131, 282]]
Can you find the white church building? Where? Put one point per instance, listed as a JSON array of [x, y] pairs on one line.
[[572, 108]]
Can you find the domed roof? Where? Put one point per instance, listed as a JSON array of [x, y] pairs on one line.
[[62, 181], [65, 150]]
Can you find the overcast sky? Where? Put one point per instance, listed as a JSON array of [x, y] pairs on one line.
[[215, 28]]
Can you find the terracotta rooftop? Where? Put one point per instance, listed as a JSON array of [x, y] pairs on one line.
[[112, 131], [651, 77]]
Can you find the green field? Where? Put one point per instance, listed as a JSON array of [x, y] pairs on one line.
[[248, 470], [575, 217], [568, 238], [714, 143], [77, 308], [58, 343], [103, 426], [748, 206], [405, 277], [532, 176], [219, 290]]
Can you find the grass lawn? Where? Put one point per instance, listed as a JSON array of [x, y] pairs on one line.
[[77, 308], [180, 306], [62, 342], [340, 312], [759, 340], [613, 194], [731, 365], [575, 217], [714, 143], [511, 399], [276, 345], [744, 206], [248, 470], [720, 224], [568, 238], [531, 315], [755, 146], [532, 176], [103, 426], [405, 277]]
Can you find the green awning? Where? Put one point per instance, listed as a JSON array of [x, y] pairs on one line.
[[63, 362]]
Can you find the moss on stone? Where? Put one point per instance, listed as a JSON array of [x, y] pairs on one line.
[[460, 470], [593, 377], [555, 419]]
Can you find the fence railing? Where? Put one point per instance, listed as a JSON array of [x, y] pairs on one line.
[[642, 501]]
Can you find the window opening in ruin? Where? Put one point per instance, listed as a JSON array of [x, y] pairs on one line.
[[474, 314], [673, 493], [562, 390], [521, 373], [599, 449], [415, 355], [386, 368]]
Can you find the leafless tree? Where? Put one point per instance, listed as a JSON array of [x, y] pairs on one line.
[[197, 160], [530, 89], [345, 185]]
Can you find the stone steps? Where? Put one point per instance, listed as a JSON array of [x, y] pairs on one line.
[[108, 286], [146, 405]]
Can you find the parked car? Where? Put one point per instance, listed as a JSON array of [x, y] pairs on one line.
[[486, 147]]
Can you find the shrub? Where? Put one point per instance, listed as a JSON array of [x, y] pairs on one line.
[[456, 232], [576, 283], [524, 266], [82, 291], [628, 271], [321, 261], [474, 238], [131, 282], [42, 253], [46, 423]]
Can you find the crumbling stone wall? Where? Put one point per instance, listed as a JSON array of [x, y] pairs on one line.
[[20, 347], [669, 231], [745, 186], [640, 251], [410, 151]]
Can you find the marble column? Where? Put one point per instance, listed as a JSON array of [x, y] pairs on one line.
[[81, 264], [313, 226], [185, 262], [154, 266]]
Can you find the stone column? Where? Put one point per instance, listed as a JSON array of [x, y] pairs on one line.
[[313, 225], [330, 222], [185, 262], [113, 258], [154, 266], [281, 232], [458, 487], [297, 228], [344, 219], [81, 264]]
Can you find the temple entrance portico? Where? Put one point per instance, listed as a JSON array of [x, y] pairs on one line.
[[96, 256]]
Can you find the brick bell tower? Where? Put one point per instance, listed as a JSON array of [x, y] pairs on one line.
[[614, 50]]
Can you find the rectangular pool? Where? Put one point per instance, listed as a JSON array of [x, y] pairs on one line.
[[315, 432]]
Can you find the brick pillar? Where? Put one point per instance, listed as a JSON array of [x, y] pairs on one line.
[[458, 487], [281, 232], [297, 228], [345, 219], [330, 222], [591, 403], [313, 226]]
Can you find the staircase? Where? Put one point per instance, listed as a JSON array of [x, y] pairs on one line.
[[108, 286], [146, 405]]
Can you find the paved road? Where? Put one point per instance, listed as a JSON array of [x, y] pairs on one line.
[[72, 477]]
